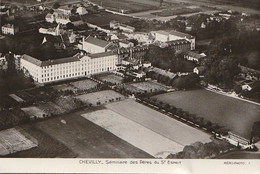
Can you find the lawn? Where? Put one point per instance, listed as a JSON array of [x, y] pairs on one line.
[[109, 77], [84, 85], [158, 122], [234, 114], [143, 87], [78, 137]]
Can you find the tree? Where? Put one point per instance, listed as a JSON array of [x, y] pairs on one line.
[[56, 5]]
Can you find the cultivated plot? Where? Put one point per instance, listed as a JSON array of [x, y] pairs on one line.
[[139, 136], [12, 141], [83, 85], [110, 77], [100, 97], [159, 123], [234, 114], [150, 86]]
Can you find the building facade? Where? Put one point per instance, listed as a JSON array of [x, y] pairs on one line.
[[67, 68], [9, 29]]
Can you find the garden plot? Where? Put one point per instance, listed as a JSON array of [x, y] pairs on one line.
[[34, 111], [110, 77], [134, 133], [150, 86], [64, 87], [102, 97], [83, 85], [51, 109], [12, 141]]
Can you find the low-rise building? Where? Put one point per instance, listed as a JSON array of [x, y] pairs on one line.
[[10, 29], [94, 45], [123, 27], [3, 62], [56, 31], [166, 36], [125, 44], [81, 11], [70, 67], [192, 56], [179, 45]]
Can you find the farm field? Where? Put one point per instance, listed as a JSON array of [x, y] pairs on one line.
[[100, 96], [234, 114], [158, 122], [77, 137], [109, 77], [134, 133], [12, 141]]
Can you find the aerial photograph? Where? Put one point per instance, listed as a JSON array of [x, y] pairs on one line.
[[142, 79]]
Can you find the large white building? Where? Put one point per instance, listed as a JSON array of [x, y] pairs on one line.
[[165, 36], [71, 67], [94, 45]]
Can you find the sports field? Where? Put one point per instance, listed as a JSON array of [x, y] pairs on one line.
[[146, 139], [12, 141], [158, 122], [234, 114]]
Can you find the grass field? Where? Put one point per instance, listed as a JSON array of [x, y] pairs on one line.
[[83, 85], [77, 138], [109, 77], [12, 141], [100, 96], [158, 122], [134, 133], [234, 114]]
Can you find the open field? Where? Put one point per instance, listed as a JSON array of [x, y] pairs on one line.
[[109, 77], [150, 86], [158, 122], [77, 137], [12, 141], [34, 111], [84, 85], [234, 114], [128, 5], [64, 87], [101, 96], [134, 133], [143, 87]]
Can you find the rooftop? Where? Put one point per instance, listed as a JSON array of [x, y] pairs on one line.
[[195, 55], [98, 55], [180, 34], [49, 62]]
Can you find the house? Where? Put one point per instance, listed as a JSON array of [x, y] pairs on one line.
[[94, 45], [179, 45], [193, 56], [56, 31], [125, 28], [141, 37], [125, 44], [66, 10], [81, 11], [4, 11], [166, 36], [79, 65], [10, 29]]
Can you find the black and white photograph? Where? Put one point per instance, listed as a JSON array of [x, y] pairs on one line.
[[132, 81]]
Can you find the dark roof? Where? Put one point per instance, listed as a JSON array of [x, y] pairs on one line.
[[49, 62], [180, 34], [178, 42], [96, 41], [98, 55], [193, 54]]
